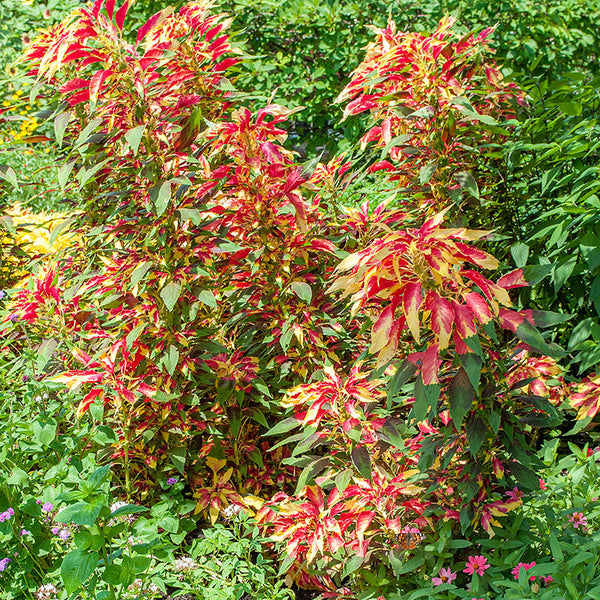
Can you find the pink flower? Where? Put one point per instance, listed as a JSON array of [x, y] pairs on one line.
[[445, 576], [526, 566], [476, 564], [548, 579], [578, 520], [543, 485]]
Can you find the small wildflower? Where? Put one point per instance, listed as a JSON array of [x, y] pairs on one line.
[[445, 576], [548, 579], [578, 520], [2, 294], [172, 481], [47, 507], [116, 505], [476, 564], [525, 566], [24, 532], [543, 485], [46, 592], [4, 564], [184, 563], [231, 510], [6, 515]]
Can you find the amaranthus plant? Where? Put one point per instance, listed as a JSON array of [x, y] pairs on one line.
[[203, 303]]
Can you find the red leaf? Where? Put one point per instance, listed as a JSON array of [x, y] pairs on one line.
[[73, 84], [478, 307], [110, 7], [380, 334], [431, 365], [96, 82], [96, 8], [442, 318], [513, 279], [120, 16], [148, 25], [463, 317]]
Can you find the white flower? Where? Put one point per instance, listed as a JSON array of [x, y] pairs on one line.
[[184, 563], [46, 592]]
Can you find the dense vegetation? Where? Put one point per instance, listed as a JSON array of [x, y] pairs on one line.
[[252, 349]]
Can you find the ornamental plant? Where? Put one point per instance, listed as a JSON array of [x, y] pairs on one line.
[[200, 307]]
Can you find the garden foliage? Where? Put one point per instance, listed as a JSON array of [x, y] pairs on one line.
[[363, 379]]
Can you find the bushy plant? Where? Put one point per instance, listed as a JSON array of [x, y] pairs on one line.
[[199, 308]]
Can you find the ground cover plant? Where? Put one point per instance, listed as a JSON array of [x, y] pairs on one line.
[[230, 369]]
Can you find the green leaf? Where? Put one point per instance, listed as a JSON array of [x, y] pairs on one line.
[[533, 274], [64, 172], [471, 363], [60, 126], [426, 397], [526, 477], [302, 290], [112, 574], [134, 137], [531, 336], [311, 471], [476, 434], [45, 431], [403, 373], [426, 172], [128, 509], [134, 334], [76, 568], [520, 253], [160, 194], [192, 214], [171, 359], [410, 565], [140, 272], [342, 480], [170, 294], [80, 513], [17, 477], [207, 297], [468, 183], [562, 271], [83, 137], [284, 426], [362, 461], [8, 174], [461, 395]]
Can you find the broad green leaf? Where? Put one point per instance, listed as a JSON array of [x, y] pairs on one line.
[[284, 426], [426, 397], [140, 272], [160, 194], [76, 568], [171, 359], [207, 297], [468, 183], [80, 513], [476, 434], [134, 137], [302, 290], [170, 294], [461, 395], [362, 461], [60, 126], [520, 253], [8, 174], [426, 172]]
